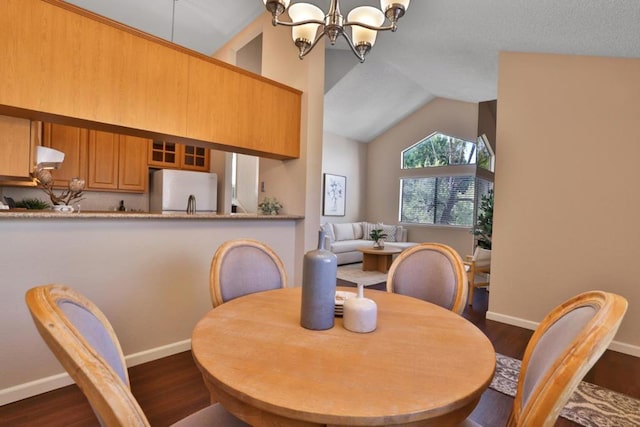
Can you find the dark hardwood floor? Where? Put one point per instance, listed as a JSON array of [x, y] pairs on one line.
[[171, 388]]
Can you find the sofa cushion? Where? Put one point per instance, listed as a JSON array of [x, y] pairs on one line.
[[357, 230], [342, 246], [343, 231], [401, 245]]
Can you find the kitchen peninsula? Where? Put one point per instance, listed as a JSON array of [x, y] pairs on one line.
[[148, 272]]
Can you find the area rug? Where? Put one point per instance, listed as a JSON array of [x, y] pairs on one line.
[[353, 273], [590, 405]]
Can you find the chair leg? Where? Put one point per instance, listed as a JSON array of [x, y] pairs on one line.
[[472, 284]]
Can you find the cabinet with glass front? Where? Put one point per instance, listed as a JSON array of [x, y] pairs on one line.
[[172, 155]]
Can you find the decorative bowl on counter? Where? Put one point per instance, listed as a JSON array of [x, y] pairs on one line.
[[63, 208]]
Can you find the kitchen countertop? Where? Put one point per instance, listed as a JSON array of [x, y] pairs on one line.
[[13, 214]]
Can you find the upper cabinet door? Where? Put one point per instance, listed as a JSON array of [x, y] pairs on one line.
[[104, 151], [195, 158], [132, 171], [15, 147], [164, 154], [72, 141], [172, 155]]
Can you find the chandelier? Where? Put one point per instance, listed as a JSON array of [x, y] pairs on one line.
[[365, 22]]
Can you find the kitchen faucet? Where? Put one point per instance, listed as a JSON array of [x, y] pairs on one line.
[[191, 204]]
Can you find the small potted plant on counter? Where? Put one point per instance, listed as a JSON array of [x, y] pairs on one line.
[[32, 204], [270, 206], [378, 237]]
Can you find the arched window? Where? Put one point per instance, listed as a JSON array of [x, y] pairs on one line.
[[445, 179]]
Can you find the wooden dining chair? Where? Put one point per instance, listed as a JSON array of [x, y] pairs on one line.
[[566, 344], [244, 266], [82, 339], [432, 272], [477, 266]]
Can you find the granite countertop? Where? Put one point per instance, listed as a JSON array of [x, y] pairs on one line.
[[19, 213]]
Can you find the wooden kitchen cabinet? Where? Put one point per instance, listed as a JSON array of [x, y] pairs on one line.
[[105, 160], [171, 155], [133, 173], [104, 154], [117, 162], [17, 148], [241, 110], [73, 142], [136, 81]]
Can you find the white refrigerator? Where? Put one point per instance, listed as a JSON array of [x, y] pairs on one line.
[[170, 191]]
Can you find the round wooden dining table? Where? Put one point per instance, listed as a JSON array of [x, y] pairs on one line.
[[423, 365]]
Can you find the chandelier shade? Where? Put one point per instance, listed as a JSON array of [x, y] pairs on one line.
[[300, 12], [310, 24], [362, 36]]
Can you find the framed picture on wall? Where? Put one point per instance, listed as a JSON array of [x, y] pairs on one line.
[[335, 190]]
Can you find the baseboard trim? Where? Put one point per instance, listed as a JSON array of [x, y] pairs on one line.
[[631, 350], [157, 353], [33, 388], [43, 385]]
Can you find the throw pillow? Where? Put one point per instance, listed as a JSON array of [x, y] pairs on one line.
[[328, 231], [390, 231], [366, 230], [343, 231], [357, 230]]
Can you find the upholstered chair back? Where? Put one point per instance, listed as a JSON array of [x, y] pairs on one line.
[[82, 339], [244, 266], [432, 272], [563, 348]]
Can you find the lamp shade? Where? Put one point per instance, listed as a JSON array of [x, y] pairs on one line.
[[367, 15], [299, 12], [386, 4]]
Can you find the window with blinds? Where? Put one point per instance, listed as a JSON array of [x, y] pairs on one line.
[[432, 197]]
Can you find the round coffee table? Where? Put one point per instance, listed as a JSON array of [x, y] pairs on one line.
[[377, 259]]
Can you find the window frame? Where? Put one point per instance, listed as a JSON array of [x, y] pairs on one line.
[[445, 171]]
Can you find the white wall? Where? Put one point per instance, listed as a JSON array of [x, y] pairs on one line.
[[346, 157], [296, 183], [150, 277], [566, 205], [455, 118], [247, 182]]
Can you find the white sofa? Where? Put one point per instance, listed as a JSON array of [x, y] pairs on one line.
[[344, 239]]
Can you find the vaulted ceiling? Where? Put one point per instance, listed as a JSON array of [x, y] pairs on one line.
[[443, 48]]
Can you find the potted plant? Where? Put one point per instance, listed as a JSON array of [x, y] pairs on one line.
[[33, 204], [378, 236], [270, 206], [484, 226]]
